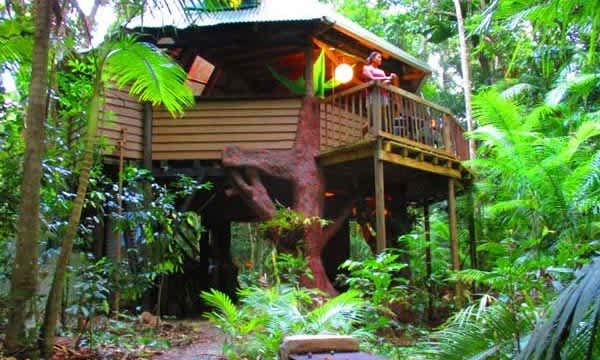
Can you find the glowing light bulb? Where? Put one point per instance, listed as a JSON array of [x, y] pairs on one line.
[[343, 73]]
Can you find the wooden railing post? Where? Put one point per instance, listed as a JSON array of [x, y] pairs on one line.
[[448, 145], [375, 102]]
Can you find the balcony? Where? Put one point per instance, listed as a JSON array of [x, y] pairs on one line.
[[407, 124]]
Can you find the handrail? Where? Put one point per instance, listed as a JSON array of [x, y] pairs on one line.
[[350, 115], [352, 90], [421, 100]]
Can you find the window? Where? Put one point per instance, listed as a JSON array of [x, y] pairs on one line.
[[199, 74]]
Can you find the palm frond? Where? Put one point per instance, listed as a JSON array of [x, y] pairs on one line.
[[225, 307], [578, 304], [339, 313], [477, 332], [15, 44], [151, 75], [580, 84], [517, 90]]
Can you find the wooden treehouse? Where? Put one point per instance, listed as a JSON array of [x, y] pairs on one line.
[[362, 150]]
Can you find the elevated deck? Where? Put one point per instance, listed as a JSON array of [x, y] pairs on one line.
[[373, 110], [419, 143]]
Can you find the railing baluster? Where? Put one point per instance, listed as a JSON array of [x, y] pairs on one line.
[[385, 108]]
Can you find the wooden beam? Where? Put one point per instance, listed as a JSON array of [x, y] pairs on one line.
[[379, 199], [399, 141], [334, 58], [420, 165], [360, 150], [308, 69], [453, 231], [147, 123]]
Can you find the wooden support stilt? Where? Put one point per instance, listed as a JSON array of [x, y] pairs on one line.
[[454, 236], [118, 234], [428, 267], [147, 136], [308, 69], [472, 233], [379, 200]]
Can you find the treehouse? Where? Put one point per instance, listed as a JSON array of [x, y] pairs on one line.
[[272, 123]]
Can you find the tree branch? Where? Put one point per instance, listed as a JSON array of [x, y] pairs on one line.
[[277, 163], [254, 193]]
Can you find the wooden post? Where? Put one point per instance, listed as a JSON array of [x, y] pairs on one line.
[[118, 234], [379, 200], [308, 69], [147, 136], [428, 268], [375, 97], [446, 134], [454, 236], [472, 233]]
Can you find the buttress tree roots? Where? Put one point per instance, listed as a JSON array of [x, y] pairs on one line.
[[297, 166]]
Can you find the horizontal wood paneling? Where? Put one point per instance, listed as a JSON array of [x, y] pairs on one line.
[[126, 113], [204, 131]]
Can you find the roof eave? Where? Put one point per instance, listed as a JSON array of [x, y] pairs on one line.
[[395, 53]]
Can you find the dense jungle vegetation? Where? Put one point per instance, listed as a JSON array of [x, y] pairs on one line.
[[530, 284]]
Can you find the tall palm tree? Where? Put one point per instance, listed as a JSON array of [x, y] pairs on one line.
[[24, 275], [466, 73], [152, 77]]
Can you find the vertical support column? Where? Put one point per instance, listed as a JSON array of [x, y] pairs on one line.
[[472, 232], [379, 200], [147, 161], [376, 104], [428, 267], [453, 235], [308, 69]]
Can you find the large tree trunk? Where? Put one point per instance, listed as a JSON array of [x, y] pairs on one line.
[[54, 297], [466, 73], [24, 275], [300, 168]]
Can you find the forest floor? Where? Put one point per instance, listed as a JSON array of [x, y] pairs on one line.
[[206, 344], [132, 340]]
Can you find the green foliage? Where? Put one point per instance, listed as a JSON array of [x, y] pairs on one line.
[[287, 226], [151, 75], [166, 235], [320, 85], [571, 329], [92, 293], [265, 315], [480, 331], [376, 278]]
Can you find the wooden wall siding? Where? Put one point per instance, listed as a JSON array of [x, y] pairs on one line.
[[127, 114], [202, 132], [340, 124]]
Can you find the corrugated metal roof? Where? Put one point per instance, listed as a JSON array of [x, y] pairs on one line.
[[273, 11]]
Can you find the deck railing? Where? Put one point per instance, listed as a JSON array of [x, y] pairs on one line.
[[376, 109]]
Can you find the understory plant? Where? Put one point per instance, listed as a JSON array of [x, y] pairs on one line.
[[264, 316]]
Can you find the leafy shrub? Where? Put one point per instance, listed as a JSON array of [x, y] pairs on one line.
[[256, 328]]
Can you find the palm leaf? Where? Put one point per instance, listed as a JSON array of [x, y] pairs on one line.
[[151, 75], [226, 310], [298, 86], [579, 303]]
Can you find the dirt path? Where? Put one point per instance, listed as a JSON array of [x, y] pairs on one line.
[[206, 344]]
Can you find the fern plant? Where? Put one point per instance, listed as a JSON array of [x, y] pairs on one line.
[[256, 327]]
